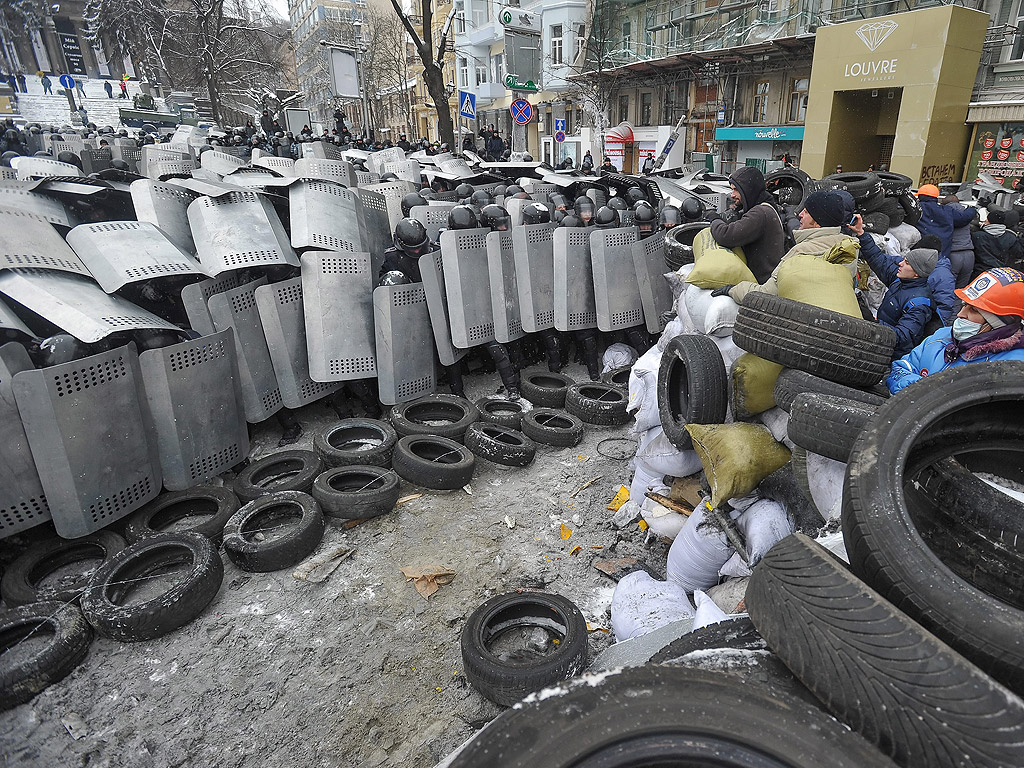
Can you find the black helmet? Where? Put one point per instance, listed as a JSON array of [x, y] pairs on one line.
[[691, 209], [411, 201], [606, 218], [11, 135], [480, 198], [389, 177], [536, 213], [411, 237], [428, 194], [464, 191], [512, 189], [60, 348], [645, 218], [394, 277], [559, 201], [557, 215], [120, 165], [634, 195], [527, 157], [499, 191], [70, 158], [617, 204], [520, 195], [6, 157], [571, 220], [584, 208], [669, 216], [462, 217], [495, 217]]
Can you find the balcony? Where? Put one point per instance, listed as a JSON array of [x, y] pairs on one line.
[[489, 92]]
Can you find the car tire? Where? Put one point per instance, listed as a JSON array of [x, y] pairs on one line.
[[877, 670], [356, 441], [798, 463], [356, 492], [894, 184], [545, 389], [21, 583], [827, 425], [433, 462], [679, 244], [504, 413], [68, 636], [911, 207], [551, 427], [844, 349], [282, 471], [693, 387], [297, 543], [666, 716], [215, 503], [174, 608], [618, 377], [505, 681], [792, 382], [502, 445], [970, 411], [862, 185], [790, 177], [452, 416], [594, 402]]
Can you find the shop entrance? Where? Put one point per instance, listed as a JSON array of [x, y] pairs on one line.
[[866, 120]]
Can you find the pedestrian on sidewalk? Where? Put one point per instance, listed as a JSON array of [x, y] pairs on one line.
[[47, 85], [124, 89], [22, 84], [80, 86], [108, 88], [84, 114], [13, 82]]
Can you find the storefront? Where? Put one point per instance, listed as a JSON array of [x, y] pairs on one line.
[[998, 150], [894, 90], [759, 145], [628, 146]]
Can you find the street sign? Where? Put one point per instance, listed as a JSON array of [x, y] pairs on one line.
[[68, 82], [560, 125], [467, 105], [522, 111], [559, 136], [513, 84], [516, 18], [721, 115]]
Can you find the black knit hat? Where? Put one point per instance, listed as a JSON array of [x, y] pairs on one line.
[[826, 208]]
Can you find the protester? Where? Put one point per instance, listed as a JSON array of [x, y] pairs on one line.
[[47, 85], [994, 244], [961, 253], [759, 230], [987, 328], [108, 88]]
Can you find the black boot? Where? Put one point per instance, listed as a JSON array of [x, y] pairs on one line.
[[508, 372], [292, 430], [554, 353], [587, 341]]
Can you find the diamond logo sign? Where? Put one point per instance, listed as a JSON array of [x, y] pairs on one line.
[[874, 33]]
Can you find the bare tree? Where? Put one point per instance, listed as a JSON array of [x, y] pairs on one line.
[[386, 64], [432, 57]]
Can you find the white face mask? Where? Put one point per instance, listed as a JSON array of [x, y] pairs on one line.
[[964, 329]]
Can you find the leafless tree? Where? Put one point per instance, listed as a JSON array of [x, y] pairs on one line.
[[386, 63], [431, 53]]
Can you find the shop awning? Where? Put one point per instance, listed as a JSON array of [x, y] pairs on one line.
[[620, 134], [995, 111]]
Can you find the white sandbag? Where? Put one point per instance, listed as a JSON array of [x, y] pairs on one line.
[[777, 421], [641, 604], [618, 356], [697, 553], [825, 477], [645, 480], [906, 234], [659, 455], [643, 391], [730, 352], [625, 514], [735, 567], [677, 326], [707, 612], [835, 544], [662, 521], [764, 524], [711, 315]]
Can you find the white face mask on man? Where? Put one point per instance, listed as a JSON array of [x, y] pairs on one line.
[[964, 329]]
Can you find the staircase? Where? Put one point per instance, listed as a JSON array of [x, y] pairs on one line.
[[34, 107]]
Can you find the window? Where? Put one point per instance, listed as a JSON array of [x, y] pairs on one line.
[[548, 124], [1017, 51], [568, 120], [668, 107], [623, 108], [481, 74], [481, 13], [646, 101], [463, 73], [649, 21], [581, 40], [627, 35], [675, 16], [556, 44], [498, 64], [798, 101], [760, 103]]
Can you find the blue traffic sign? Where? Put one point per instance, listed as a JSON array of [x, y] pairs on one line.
[[559, 136], [467, 105], [560, 126], [522, 111], [67, 81]]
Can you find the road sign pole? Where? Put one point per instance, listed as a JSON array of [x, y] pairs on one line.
[[518, 131]]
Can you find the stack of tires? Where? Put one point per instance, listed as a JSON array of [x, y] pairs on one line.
[[884, 199]]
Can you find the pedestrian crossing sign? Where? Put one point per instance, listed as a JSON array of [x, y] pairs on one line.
[[467, 105]]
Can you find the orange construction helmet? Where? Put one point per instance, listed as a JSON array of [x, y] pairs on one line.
[[930, 190], [999, 291]]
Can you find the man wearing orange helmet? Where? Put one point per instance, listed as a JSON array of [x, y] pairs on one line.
[[987, 328]]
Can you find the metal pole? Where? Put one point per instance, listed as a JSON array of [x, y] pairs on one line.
[[518, 131]]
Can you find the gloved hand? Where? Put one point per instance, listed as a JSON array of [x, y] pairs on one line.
[[713, 216], [723, 291]]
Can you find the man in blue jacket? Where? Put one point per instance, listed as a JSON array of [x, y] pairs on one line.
[[987, 328]]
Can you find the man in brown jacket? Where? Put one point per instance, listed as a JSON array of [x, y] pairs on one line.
[[758, 230]]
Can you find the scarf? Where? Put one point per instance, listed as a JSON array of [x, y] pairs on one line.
[[996, 230], [992, 342]]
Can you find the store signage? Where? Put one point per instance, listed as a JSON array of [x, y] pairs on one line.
[[515, 18], [991, 152], [761, 133]]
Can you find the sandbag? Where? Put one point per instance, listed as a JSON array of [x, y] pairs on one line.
[[674, 327], [707, 612], [825, 477], [644, 480], [643, 391], [730, 352], [658, 455], [642, 604], [764, 524], [736, 457], [713, 315], [777, 421], [820, 282], [753, 385], [618, 356], [661, 521], [906, 234], [715, 266], [697, 553]]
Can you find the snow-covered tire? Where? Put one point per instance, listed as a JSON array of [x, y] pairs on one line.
[[693, 387], [356, 441], [861, 184], [504, 413], [356, 492], [451, 415], [792, 178], [298, 542], [21, 581], [827, 425], [894, 184], [792, 382], [594, 402], [551, 427], [545, 389], [293, 470], [433, 462], [618, 377], [501, 445], [211, 505], [679, 244]]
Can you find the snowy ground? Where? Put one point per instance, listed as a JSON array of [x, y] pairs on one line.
[[359, 670]]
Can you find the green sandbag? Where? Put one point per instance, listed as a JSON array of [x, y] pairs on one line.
[[818, 281], [715, 266], [753, 385], [736, 457]]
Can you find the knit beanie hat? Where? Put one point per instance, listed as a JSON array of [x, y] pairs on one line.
[[826, 208], [994, 320], [923, 260]]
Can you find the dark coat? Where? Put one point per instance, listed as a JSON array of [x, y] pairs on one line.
[[940, 220], [991, 251], [758, 230], [907, 306]]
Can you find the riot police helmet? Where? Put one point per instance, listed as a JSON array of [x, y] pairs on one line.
[[495, 217], [512, 189], [394, 277], [691, 209], [480, 198], [617, 204], [669, 217], [571, 220], [410, 201], [646, 218], [65, 156], [536, 213], [411, 238], [584, 208], [635, 195], [462, 217], [606, 218], [464, 191]]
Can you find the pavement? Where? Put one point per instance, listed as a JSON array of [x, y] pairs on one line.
[[38, 108]]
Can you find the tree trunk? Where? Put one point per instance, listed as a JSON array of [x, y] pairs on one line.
[[434, 79]]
